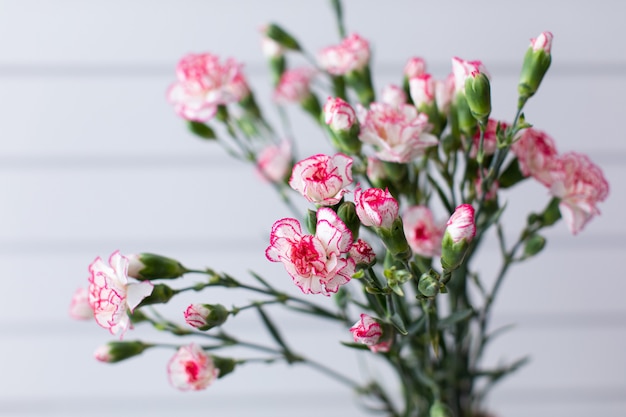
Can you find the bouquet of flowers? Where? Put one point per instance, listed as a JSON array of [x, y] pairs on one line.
[[404, 284]]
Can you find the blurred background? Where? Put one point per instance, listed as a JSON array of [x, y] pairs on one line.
[[93, 159]]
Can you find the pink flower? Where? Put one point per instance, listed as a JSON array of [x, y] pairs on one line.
[[536, 154], [352, 54], [461, 224], [203, 84], [490, 141], [362, 253], [399, 134], [580, 184], [338, 114], [463, 69], [414, 67], [422, 233], [294, 85], [368, 332], [322, 179], [315, 263], [110, 294], [543, 42], [422, 89], [444, 92], [79, 306], [375, 170], [375, 207], [191, 369], [393, 95], [274, 162]]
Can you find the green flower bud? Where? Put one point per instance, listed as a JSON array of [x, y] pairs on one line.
[[148, 266], [478, 96], [536, 63], [161, 294], [534, 244], [347, 214], [225, 365], [206, 316], [466, 121], [118, 351], [395, 240], [429, 284], [278, 34], [439, 409]]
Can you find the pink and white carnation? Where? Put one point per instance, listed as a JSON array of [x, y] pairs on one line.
[[414, 67], [542, 42], [422, 90], [393, 95], [367, 331], [490, 141], [398, 133], [352, 54], [111, 296], [338, 114], [322, 179], [274, 161], [461, 225], [191, 369], [536, 154], [316, 263], [294, 85], [422, 232], [375, 170], [581, 185], [463, 69], [362, 253], [196, 315], [375, 207], [80, 309], [444, 93], [203, 84]]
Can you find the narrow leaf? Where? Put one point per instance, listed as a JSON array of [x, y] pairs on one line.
[[455, 318]]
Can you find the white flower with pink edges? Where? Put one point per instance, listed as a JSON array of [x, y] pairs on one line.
[[444, 93], [542, 42], [191, 369], [362, 253], [461, 225], [422, 232], [393, 95], [398, 133], [422, 90], [274, 161], [367, 331], [580, 184], [375, 207], [79, 306], [414, 67], [463, 69], [338, 114], [111, 296], [536, 154], [352, 54], [322, 179], [203, 84], [294, 85], [316, 263]]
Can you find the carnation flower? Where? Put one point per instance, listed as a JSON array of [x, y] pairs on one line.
[[322, 179], [352, 54], [422, 233], [536, 154], [274, 161], [191, 369], [375, 207]]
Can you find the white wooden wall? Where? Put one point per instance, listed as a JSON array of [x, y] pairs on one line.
[[93, 159]]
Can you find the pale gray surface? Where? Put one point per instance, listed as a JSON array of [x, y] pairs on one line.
[[89, 145]]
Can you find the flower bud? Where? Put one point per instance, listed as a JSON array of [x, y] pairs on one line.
[[439, 409], [147, 266], [393, 95], [534, 244], [375, 207], [283, 38], [460, 230], [118, 351], [161, 294], [362, 253], [347, 214], [478, 95], [343, 125], [206, 316], [395, 240], [224, 365], [429, 284], [368, 331], [536, 63]]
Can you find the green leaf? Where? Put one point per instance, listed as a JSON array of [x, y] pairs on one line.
[[398, 323], [201, 130], [261, 280], [275, 334], [455, 318], [359, 346]]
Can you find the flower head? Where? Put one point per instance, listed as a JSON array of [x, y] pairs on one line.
[[316, 263], [414, 67], [79, 306], [352, 54], [375, 207], [460, 231], [398, 133], [422, 88], [542, 42], [191, 369], [362, 253], [536, 154], [294, 85], [203, 84], [422, 233], [462, 69], [111, 296], [367, 331], [338, 114], [580, 184], [393, 95], [322, 179], [274, 161]]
